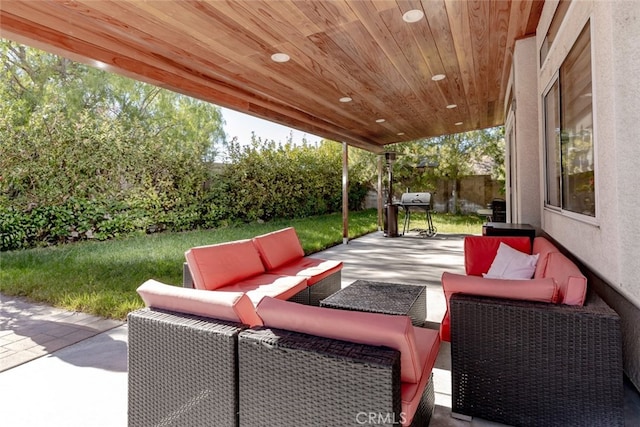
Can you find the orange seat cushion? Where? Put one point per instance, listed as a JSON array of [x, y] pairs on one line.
[[314, 269], [268, 285]]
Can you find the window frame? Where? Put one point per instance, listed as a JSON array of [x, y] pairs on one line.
[[553, 81]]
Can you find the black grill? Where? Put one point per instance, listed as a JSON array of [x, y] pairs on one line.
[[418, 201]]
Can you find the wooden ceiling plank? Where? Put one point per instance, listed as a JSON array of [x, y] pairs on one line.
[[422, 38], [458, 15], [498, 29], [251, 76], [345, 54], [452, 87], [219, 51], [328, 15], [478, 12], [206, 90], [303, 77], [415, 68], [414, 82], [192, 61]]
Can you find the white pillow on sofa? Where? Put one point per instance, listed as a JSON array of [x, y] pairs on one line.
[[511, 264]]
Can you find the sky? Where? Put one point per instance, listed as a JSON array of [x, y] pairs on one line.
[[241, 125]]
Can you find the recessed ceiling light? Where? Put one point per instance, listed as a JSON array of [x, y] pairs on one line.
[[437, 77], [345, 99], [380, 120], [413, 15], [450, 106], [280, 57], [400, 133], [101, 65], [458, 123]]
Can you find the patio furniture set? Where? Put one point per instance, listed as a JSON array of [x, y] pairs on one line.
[[250, 345], [262, 335]]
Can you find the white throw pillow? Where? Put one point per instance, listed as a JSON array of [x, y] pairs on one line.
[[511, 264]]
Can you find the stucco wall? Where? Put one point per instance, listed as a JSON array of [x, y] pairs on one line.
[[525, 87], [610, 243], [625, 38]]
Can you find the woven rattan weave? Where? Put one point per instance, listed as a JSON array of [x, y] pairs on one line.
[[182, 370], [380, 297], [535, 364], [293, 379]]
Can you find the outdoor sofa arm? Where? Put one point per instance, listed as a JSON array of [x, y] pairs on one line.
[[182, 369], [533, 363], [291, 378]]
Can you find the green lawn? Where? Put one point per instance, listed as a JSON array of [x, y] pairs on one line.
[[101, 277]]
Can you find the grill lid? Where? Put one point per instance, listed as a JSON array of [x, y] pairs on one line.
[[415, 199]]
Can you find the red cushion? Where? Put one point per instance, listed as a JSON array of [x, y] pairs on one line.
[[445, 327], [571, 282], [395, 332], [543, 290], [479, 251], [215, 266], [543, 248], [278, 248], [271, 285], [232, 306], [314, 269], [428, 343]]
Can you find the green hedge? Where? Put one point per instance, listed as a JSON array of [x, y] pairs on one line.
[[263, 182]]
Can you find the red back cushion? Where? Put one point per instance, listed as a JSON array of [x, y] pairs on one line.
[[278, 248], [232, 306], [215, 266], [571, 282], [480, 251], [355, 326], [543, 247]]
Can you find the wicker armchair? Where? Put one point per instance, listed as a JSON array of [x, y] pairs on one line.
[[182, 370], [290, 378], [536, 364]]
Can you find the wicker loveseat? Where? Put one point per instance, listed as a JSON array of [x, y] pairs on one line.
[[271, 264], [197, 360], [522, 361]]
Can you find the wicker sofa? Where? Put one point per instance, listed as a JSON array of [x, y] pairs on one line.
[[271, 264], [536, 359], [203, 358]]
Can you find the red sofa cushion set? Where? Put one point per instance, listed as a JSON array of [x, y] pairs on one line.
[[271, 265], [556, 279]]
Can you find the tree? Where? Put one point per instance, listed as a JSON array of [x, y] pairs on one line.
[[450, 157], [68, 130]]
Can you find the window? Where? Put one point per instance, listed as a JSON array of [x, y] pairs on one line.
[[568, 119], [552, 32]]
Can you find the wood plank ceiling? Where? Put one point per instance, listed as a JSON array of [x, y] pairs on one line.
[[220, 51]]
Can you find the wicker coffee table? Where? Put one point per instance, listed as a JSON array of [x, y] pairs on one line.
[[380, 297]]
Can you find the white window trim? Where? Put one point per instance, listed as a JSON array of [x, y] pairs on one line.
[[587, 219]]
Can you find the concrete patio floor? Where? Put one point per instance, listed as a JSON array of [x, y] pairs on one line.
[[81, 380]]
